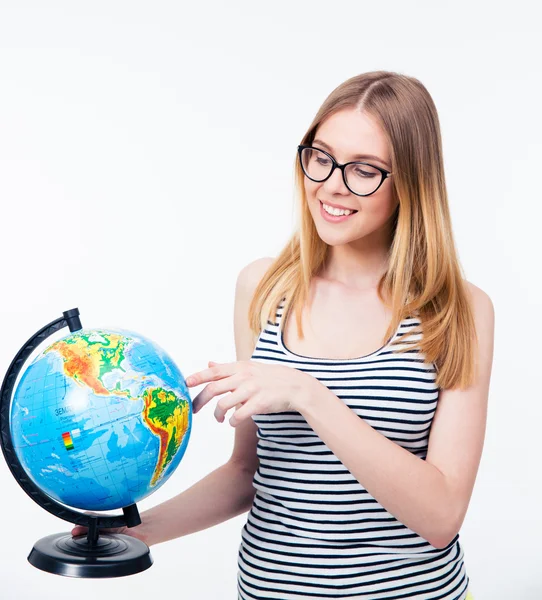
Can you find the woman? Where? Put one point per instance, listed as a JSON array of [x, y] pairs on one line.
[[357, 445]]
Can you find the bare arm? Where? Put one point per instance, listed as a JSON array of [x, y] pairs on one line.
[[227, 491], [221, 495]]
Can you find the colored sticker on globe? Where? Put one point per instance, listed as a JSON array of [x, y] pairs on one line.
[[67, 438]]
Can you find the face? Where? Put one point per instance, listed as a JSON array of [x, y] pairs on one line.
[[344, 135]]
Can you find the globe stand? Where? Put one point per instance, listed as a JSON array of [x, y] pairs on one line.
[[91, 555]]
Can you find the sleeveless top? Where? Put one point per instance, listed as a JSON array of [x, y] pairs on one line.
[[313, 530]]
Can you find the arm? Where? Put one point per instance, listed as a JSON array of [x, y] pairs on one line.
[[429, 496], [221, 495], [227, 491]]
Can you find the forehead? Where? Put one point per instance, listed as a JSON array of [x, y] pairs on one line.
[[350, 132]]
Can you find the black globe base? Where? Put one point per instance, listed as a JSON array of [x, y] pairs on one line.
[[111, 555]]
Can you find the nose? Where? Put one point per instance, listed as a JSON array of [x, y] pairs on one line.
[[335, 183]]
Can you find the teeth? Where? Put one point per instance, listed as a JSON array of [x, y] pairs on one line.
[[336, 211]]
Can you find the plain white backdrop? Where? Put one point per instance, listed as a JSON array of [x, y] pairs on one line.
[[146, 155]]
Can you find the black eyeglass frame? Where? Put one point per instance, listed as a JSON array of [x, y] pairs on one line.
[[335, 165]]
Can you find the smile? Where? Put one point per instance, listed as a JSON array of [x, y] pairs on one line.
[[334, 218]]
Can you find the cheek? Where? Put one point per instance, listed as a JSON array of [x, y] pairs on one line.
[[311, 188], [381, 206], [311, 194]]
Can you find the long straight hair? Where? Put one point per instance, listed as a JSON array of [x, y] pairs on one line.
[[423, 277]]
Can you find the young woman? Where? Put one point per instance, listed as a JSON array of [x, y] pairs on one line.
[[360, 426]]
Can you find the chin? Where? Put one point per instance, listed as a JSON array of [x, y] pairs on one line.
[[333, 238]]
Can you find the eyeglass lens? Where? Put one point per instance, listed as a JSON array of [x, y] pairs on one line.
[[361, 178]]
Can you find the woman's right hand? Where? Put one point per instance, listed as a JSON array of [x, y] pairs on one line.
[[136, 531]]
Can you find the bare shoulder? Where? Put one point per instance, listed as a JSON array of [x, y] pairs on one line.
[[247, 281], [480, 298], [484, 320], [250, 274]]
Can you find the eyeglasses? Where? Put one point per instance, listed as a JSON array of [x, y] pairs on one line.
[[361, 178]]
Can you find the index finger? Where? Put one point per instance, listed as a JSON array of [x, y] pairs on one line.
[[210, 374]]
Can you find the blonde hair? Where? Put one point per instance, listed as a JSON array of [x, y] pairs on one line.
[[424, 277]]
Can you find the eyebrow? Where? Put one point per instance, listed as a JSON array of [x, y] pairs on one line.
[[330, 149]]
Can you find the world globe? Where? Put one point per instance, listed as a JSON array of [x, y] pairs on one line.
[[100, 419]]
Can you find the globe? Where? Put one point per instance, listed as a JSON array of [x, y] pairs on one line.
[[100, 419]]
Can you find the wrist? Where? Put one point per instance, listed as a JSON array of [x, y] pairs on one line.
[[309, 394]]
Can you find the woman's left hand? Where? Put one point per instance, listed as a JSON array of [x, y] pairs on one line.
[[256, 388]]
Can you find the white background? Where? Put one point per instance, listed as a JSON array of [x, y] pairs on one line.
[[146, 155]]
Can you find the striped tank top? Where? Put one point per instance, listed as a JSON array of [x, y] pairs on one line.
[[313, 530]]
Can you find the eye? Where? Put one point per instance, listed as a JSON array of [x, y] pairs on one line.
[[362, 173]]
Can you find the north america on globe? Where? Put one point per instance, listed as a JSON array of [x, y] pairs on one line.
[[101, 418]]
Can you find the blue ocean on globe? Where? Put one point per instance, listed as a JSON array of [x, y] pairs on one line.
[[101, 418]]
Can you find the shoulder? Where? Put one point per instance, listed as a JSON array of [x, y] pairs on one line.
[[250, 275], [478, 294], [484, 322], [482, 305], [247, 281]]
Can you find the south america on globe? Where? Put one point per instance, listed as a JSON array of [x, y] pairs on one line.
[[101, 418]]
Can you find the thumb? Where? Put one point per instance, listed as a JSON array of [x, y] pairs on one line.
[[211, 363], [78, 530]]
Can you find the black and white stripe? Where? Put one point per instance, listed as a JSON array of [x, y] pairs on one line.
[[313, 530]]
